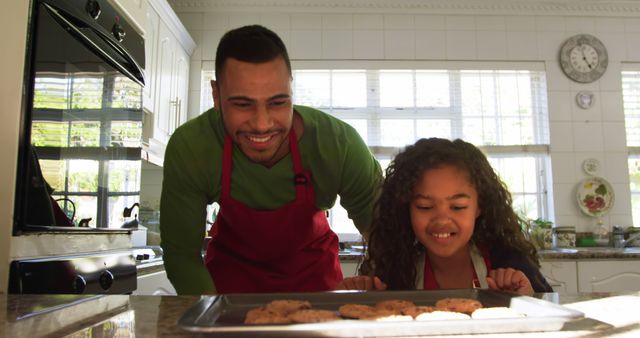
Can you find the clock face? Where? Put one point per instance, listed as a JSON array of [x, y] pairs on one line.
[[583, 58]]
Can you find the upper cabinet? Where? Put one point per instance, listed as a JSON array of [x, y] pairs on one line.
[[168, 48]]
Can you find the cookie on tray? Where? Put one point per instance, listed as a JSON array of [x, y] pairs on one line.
[[496, 312], [262, 315], [356, 311], [464, 305], [441, 315], [395, 305], [313, 316], [415, 311], [287, 306]]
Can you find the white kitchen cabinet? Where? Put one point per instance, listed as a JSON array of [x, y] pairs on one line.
[[609, 276], [561, 275], [168, 49], [154, 284], [135, 11]]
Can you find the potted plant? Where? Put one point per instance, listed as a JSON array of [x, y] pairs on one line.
[[541, 233]]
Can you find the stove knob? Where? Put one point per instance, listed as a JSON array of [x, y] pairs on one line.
[[93, 9], [106, 280], [118, 32], [79, 283]]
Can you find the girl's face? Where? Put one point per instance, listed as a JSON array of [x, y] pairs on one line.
[[443, 210]]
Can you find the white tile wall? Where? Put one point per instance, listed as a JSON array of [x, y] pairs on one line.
[[522, 45], [575, 134], [337, 44], [399, 44], [368, 44], [492, 45], [431, 45], [587, 136], [368, 21]]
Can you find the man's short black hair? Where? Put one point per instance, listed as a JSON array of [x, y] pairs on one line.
[[253, 43]]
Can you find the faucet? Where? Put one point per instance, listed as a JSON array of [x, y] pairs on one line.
[[618, 237], [631, 238], [127, 213]]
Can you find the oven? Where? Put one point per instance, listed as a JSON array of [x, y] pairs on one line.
[[111, 272], [79, 151], [81, 128]]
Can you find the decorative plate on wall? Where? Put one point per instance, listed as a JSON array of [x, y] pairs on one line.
[[595, 196]]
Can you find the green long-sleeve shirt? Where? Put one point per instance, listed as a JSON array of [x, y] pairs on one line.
[[340, 162]]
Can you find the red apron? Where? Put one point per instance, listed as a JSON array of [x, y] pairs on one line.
[[289, 249]]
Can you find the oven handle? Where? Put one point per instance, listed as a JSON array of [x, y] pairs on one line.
[[67, 21]]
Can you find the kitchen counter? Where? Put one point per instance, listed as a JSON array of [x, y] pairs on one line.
[[573, 253], [606, 315]]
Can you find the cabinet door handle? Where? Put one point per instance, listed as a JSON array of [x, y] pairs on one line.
[[178, 110]]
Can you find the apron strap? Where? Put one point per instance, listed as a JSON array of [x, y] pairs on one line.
[[420, 271], [227, 160], [479, 266], [300, 179]]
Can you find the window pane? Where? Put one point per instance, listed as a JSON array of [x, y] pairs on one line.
[[396, 133], [349, 88], [87, 92], [54, 173], [518, 173], [116, 209], [312, 88], [53, 134], [515, 130], [83, 176], [85, 134], [433, 128], [526, 205], [396, 88], [126, 134], [360, 126], [124, 176], [50, 92], [432, 88], [631, 100], [480, 131], [86, 207], [340, 221], [634, 182], [126, 93]]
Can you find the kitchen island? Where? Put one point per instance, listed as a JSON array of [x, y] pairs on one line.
[[606, 315]]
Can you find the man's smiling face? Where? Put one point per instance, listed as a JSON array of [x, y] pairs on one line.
[[256, 106]]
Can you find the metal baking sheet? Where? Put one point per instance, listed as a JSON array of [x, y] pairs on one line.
[[224, 315]]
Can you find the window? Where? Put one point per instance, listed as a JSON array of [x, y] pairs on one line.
[[502, 111], [631, 104]]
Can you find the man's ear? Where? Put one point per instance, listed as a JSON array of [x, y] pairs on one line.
[[215, 92]]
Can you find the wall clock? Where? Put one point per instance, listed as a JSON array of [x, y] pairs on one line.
[[583, 58]]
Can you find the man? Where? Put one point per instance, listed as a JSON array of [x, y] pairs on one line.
[[274, 168]]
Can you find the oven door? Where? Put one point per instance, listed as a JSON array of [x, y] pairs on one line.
[[81, 133]]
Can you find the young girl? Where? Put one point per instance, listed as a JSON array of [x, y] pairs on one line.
[[444, 220]]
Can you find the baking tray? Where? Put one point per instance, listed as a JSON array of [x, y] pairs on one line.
[[224, 315]]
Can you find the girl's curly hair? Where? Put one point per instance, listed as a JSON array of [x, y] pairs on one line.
[[393, 251]]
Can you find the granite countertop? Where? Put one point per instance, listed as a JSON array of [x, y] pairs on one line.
[[564, 253], [606, 315]]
